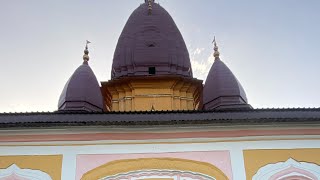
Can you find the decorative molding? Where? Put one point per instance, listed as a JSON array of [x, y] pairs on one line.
[[120, 168], [290, 168], [160, 174], [16, 171]]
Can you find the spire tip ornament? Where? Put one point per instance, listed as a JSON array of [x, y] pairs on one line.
[[216, 53], [86, 53]]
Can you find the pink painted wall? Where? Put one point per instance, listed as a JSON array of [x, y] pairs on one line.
[[220, 159]]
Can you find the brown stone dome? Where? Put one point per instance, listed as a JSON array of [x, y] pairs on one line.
[[81, 92], [222, 90], [150, 44]]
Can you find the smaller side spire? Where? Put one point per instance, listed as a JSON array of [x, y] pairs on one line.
[[216, 53], [86, 53]]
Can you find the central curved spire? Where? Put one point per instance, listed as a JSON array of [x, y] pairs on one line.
[[151, 68], [150, 45]]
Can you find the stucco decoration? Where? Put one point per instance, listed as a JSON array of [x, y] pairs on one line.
[[290, 169], [155, 168], [160, 174], [14, 172]]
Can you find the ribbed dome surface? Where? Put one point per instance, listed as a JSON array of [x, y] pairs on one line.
[[150, 41], [82, 91], [222, 89]]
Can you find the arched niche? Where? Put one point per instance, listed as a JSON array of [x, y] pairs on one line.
[[152, 168], [289, 170], [15, 172]]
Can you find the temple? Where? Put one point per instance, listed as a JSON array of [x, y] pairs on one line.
[[152, 120]]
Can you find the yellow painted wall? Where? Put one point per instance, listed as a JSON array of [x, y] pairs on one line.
[[161, 93], [51, 164], [255, 159]]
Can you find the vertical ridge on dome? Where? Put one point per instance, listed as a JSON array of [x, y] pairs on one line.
[[149, 7]]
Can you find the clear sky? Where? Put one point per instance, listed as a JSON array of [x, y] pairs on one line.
[[272, 46]]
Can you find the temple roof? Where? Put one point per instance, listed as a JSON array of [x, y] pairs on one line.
[[151, 44], [300, 116]]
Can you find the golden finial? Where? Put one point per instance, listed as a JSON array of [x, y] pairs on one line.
[[149, 7], [216, 53], [86, 53]]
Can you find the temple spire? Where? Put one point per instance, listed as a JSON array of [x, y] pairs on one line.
[[86, 53], [216, 53]]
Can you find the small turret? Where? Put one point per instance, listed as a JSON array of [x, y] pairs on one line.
[[222, 90], [82, 91]]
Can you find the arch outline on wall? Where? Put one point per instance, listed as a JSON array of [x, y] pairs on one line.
[[16, 171], [290, 168], [130, 165]]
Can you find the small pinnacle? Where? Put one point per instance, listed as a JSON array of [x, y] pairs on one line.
[[86, 53], [216, 53]]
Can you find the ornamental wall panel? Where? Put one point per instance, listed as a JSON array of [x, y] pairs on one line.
[[27, 167], [173, 166], [282, 164]]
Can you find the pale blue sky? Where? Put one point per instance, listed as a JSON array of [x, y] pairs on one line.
[[271, 46]]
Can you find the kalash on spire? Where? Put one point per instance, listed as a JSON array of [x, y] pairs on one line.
[[149, 6], [86, 53], [216, 53]]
